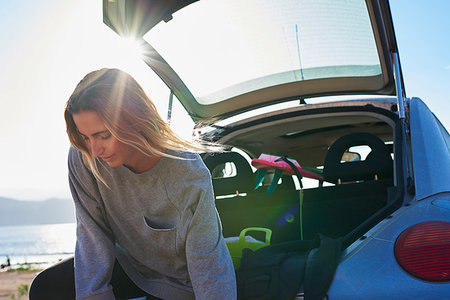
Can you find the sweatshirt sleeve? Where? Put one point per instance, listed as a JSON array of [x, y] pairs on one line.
[[209, 262], [95, 246]]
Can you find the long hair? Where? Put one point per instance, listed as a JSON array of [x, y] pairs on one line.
[[127, 112]]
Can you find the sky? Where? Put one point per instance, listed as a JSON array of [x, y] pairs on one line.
[[47, 46]]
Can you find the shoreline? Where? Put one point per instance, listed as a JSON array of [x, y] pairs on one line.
[[13, 278], [16, 274], [34, 261]]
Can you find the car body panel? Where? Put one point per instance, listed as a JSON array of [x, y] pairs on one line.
[[430, 151], [371, 269]]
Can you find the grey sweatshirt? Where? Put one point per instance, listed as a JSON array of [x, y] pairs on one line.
[[161, 225]]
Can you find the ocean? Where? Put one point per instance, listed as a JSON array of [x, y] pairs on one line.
[[37, 244]]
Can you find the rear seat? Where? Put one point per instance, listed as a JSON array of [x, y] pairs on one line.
[[333, 211], [240, 207], [336, 210], [361, 188]]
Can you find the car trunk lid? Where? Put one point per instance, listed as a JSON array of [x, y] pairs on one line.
[[222, 58]]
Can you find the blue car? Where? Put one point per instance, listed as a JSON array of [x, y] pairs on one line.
[[308, 97]]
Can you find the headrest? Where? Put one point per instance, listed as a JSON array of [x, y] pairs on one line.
[[378, 162], [241, 182]]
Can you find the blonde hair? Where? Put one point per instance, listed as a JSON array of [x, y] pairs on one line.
[[127, 112]]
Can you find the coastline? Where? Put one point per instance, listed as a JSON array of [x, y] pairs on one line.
[[25, 250], [11, 279], [16, 278]]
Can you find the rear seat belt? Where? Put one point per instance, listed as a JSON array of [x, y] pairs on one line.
[[278, 172], [301, 195]]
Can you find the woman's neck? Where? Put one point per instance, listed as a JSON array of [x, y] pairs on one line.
[[143, 163]]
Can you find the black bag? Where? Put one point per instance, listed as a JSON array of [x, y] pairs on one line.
[[282, 270]]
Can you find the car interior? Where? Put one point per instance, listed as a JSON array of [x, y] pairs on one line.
[[358, 189]]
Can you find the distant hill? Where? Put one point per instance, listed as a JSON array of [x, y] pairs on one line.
[[51, 211]]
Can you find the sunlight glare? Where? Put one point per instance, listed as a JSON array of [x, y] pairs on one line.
[[130, 47]]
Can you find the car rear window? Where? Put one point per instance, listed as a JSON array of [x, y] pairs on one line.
[[218, 57]]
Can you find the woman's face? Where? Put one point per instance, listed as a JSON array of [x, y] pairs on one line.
[[102, 143]]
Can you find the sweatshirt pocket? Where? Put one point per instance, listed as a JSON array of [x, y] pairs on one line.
[[160, 238]]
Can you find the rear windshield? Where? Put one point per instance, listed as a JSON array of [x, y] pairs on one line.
[[282, 41]]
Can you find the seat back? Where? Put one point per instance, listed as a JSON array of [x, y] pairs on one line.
[[248, 208], [241, 181], [378, 164], [337, 210]]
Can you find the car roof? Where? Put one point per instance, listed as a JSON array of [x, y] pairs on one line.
[[222, 58]]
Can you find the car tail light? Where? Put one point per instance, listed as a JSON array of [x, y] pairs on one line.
[[423, 250]]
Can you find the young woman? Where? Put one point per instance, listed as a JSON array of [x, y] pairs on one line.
[[146, 220]]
